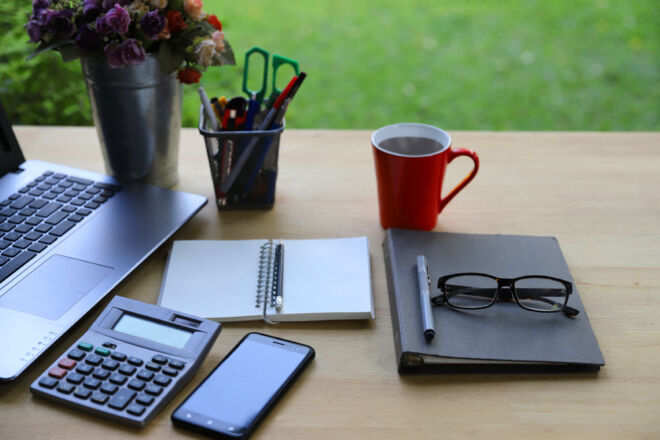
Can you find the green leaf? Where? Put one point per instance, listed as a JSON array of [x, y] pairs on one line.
[[175, 5], [227, 55], [169, 57], [44, 47], [69, 52]]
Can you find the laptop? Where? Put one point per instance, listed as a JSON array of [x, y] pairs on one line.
[[67, 238]]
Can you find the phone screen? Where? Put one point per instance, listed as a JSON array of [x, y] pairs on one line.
[[234, 394]]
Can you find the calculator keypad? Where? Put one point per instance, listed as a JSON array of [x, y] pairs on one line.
[[111, 378]]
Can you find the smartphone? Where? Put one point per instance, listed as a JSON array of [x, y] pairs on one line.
[[237, 395]]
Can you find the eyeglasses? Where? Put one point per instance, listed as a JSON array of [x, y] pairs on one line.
[[537, 293]]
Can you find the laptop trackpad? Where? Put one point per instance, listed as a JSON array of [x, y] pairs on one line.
[[53, 287]]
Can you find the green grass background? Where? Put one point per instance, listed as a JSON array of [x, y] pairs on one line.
[[474, 65]]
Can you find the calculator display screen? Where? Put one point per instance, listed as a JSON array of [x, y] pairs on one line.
[[153, 331]]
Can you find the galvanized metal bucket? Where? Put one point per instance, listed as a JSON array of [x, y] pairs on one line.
[[137, 113]]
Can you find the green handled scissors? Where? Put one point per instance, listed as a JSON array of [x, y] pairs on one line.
[[278, 61]]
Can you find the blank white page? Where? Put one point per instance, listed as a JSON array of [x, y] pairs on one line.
[[214, 279], [326, 279]]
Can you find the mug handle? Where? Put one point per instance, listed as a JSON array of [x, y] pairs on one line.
[[453, 154]]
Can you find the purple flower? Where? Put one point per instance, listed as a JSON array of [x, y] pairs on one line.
[[121, 54], [34, 30], [152, 24], [116, 20], [87, 38], [133, 52], [108, 4], [42, 16], [91, 9], [40, 4], [59, 23]]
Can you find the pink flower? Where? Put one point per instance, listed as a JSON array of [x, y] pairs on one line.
[[194, 9], [160, 4], [204, 52], [219, 39]]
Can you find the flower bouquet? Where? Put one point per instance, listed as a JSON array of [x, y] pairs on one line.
[[182, 36]]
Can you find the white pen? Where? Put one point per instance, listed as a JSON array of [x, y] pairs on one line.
[[208, 109], [425, 297]]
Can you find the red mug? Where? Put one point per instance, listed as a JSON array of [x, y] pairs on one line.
[[411, 160]]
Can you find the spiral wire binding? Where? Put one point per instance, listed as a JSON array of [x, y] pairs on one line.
[[265, 276]]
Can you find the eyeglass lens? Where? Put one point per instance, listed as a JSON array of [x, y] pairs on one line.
[[541, 294], [470, 291]]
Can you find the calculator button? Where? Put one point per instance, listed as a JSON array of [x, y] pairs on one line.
[[82, 393], [128, 370], [92, 383], [145, 375], [135, 409], [170, 371], [48, 382], [118, 379], [93, 359], [99, 397], [75, 378], [57, 372], [162, 380], [110, 364], [121, 399], [84, 369], [152, 366], [135, 384], [67, 364], [144, 400], [110, 345], [135, 361], [159, 359], [109, 388], [118, 356], [101, 374], [153, 390], [65, 388], [102, 351], [76, 355], [177, 364], [84, 346]]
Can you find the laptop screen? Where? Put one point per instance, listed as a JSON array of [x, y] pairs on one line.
[[10, 153]]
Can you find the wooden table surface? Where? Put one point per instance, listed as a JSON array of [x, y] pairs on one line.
[[598, 193]]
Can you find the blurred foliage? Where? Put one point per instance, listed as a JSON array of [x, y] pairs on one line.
[[44, 90], [477, 65]]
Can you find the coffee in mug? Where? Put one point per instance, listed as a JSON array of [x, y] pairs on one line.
[[410, 161]]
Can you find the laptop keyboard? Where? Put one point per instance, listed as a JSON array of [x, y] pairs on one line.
[[42, 212]]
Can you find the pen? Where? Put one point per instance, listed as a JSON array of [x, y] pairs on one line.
[[253, 109], [240, 162], [216, 108], [265, 148], [279, 299], [208, 109], [279, 118], [425, 297]]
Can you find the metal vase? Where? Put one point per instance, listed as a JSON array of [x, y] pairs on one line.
[[137, 113]]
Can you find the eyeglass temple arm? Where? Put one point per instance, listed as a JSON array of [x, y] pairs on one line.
[[536, 293]]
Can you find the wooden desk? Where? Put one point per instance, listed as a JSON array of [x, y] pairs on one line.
[[598, 193]]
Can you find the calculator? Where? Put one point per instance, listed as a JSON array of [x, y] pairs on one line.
[[130, 363]]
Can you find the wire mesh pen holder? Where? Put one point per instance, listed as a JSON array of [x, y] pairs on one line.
[[254, 183]]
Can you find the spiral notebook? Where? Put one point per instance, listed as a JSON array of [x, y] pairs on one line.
[[287, 280]]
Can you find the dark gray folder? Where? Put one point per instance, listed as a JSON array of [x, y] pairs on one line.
[[502, 338]]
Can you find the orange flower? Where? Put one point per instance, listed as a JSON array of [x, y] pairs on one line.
[[214, 22], [189, 75], [175, 21], [194, 9]]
